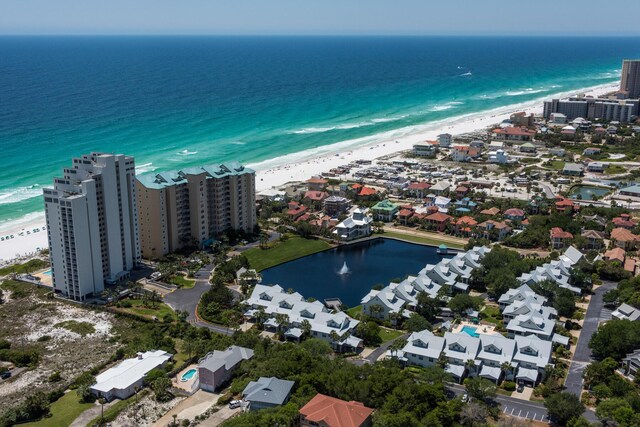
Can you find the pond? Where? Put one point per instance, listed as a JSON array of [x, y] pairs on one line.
[[349, 272], [586, 192]]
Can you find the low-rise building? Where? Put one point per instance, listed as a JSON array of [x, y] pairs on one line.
[[126, 377], [623, 238], [559, 238], [384, 211], [573, 169], [326, 411], [354, 227], [216, 367], [513, 134], [267, 393], [445, 139], [439, 220], [427, 149], [595, 239], [626, 312], [631, 364]]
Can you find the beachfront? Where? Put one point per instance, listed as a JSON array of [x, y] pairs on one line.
[[299, 166]]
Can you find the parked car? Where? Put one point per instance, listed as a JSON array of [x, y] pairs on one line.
[[520, 388], [5, 375], [235, 404], [465, 397]]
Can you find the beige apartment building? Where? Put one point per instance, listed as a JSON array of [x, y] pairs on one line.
[[193, 206]]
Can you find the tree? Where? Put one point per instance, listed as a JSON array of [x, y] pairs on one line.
[[428, 307], [618, 410], [461, 302], [375, 310], [615, 339], [473, 414], [305, 326], [161, 389], [417, 323], [563, 407], [480, 389], [282, 320], [370, 333]]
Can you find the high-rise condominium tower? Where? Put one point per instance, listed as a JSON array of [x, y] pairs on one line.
[[92, 224], [630, 81]]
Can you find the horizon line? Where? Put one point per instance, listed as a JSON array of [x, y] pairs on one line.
[[353, 35]]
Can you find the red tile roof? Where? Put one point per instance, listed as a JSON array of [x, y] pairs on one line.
[[438, 217], [514, 131], [367, 191], [559, 233], [316, 195], [356, 186], [317, 180], [335, 412], [490, 211], [623, 235], [467, 220], [419, 186], [615, 254], [514, 212], [405, 212]]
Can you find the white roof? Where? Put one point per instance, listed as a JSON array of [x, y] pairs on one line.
[[130, 371]]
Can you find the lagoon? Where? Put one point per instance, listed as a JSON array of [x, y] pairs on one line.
[[586, 192], [367, 263]]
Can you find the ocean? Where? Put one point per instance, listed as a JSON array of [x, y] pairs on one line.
[[174, 102]]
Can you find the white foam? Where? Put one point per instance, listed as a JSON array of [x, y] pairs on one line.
[[187, 153], [144, 168], [19, 194], [468, 73]]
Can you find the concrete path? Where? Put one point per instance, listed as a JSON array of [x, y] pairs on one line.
[[85, 418], [188, 408]]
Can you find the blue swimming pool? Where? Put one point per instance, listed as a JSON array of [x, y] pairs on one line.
[[470, 330], [47, 273], [188, 375]]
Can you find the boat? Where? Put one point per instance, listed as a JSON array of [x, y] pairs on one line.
[[443, 249]]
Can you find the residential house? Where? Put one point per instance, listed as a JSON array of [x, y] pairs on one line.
[[532, 356], [439, 220], [423, 349], [464, 153], [560, 238], [445, 139], [493, 230], [442, 203], [565, 205], [122, 380], [624, 221], [573, 169], [632, 190], [336, 205], [384, 211], [518, 134], [366, 192], [494, 352], [615, 254], [631, 364], [531, 324], [465, 205], [527, 147], [595, 239], [461, 191], [521, 119], [426, 149], [326, 411], [596, 167], [491, 211], [440, 187], [458, 349], [558, 271], [557, 119], [520, 294], [418, 189], [568, 130], [296, 210], [267, 393], [514, 214], [316, 183], [216, 367], [533, 304], [560, 152], [354, 227], [623, 238], [315, 198], [404, 215], [626, 312], [499, 156], [390, 300], [465, 225]]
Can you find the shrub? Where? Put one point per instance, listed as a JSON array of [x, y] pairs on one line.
[[509, 385], [55, 377], [44, 338], [225, 398]]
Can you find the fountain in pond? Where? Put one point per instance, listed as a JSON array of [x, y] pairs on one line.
[[344, 270]]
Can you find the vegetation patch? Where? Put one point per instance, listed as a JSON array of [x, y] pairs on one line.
[[182, 282], [145, 308], [433, 241], [63, 411], [82, 328], [28, 267], [283, 251]]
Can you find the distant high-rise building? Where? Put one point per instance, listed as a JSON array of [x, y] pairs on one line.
[[92, 224], [193, 205], [622, 110], [630, 80]]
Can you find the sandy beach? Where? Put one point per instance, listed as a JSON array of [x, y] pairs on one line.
[[300, 166]]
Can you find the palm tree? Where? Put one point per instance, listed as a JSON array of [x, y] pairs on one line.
[[506, 368], [261, 316], [335, 338], [282, 320], [305, 326], [375, 310], [442, 362], [470, 365]]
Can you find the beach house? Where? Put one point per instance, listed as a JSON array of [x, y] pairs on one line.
[[267, 393], [124, 379], [326, 411], [336, 205], [384, 211], [216, 367], [354, 227]]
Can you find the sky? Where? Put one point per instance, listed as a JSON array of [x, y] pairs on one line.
[[320, 17]]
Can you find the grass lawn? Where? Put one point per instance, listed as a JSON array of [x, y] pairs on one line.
[[503, 392], [354, 311], [82, 328], [555, 165], [63, 411], [490, 314], [137, 307], [112, 412], [614, 169], [28, 267], [292, 248], [182, 282], [433, 241], [390, 334]]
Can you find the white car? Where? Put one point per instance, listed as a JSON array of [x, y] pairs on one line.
[[235, 404], [465, 397]]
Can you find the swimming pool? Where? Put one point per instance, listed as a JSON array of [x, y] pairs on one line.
[[47, 273], [470, 330], [188, 375]]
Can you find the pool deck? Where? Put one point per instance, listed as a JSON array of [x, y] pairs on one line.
[[480, 329], [185, 385], [45, 279]]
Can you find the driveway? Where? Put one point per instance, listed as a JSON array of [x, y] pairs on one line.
[[582, 356], [189, 408]]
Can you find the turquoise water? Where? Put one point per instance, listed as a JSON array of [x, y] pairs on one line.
[[586, 192], [470, 330], [47, 273], [185, 101], [189, 375]]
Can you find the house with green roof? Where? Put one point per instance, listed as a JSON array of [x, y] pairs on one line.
[[384, 210]]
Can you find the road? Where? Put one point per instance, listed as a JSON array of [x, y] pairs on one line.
[[548, 191], [582, 356], [375, 354], [188, 299]]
